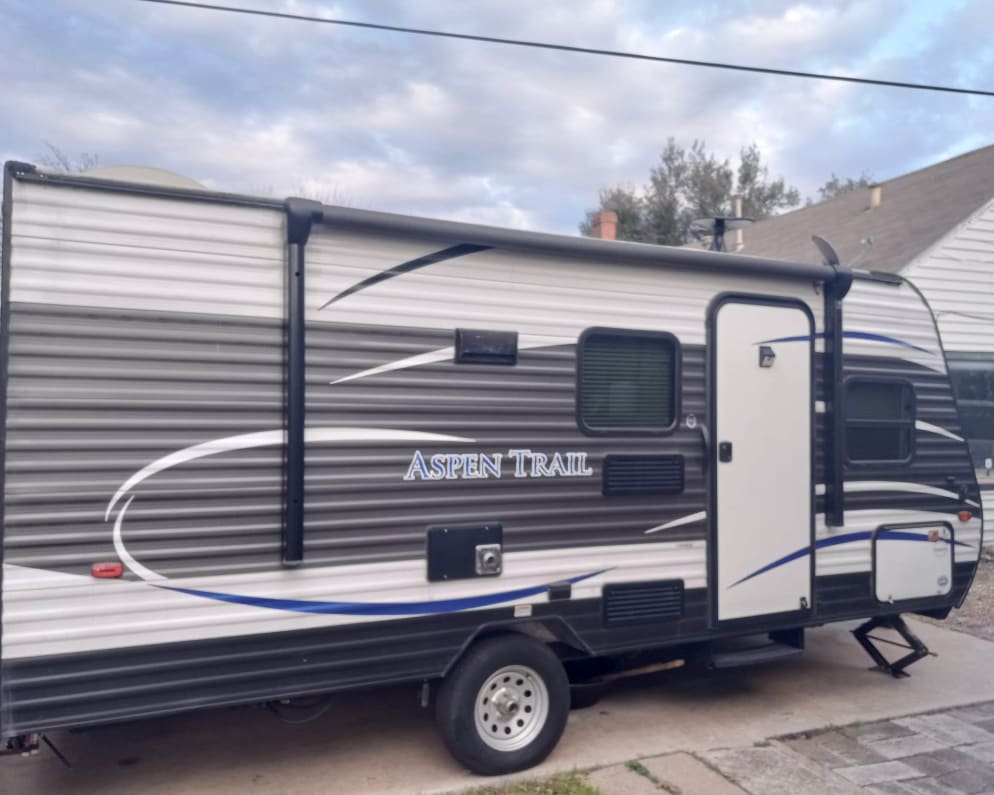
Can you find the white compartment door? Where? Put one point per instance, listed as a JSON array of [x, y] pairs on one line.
[[763, 408]]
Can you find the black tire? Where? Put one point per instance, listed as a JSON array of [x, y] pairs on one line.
[[456, 715]]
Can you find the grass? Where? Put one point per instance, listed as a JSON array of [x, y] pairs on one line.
[[563, 784], [637, 767]]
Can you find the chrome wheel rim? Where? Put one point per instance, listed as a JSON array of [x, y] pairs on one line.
[[512, 707]]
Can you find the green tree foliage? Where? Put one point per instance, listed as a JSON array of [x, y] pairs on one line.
[[836, 186], [692, 183]]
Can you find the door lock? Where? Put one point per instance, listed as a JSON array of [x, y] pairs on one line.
[[724, 451], [488, 559]]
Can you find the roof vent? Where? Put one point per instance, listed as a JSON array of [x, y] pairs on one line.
[[143, 175], [875, 191]]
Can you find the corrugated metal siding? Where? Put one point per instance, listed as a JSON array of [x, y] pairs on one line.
[[94, 397], [516, 292], [79, 247], [956, 276], [358, 503], [895, 312]]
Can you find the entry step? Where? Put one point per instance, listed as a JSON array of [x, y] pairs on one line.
[[756, 650]]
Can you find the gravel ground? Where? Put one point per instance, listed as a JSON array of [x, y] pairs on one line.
[[976, 616]]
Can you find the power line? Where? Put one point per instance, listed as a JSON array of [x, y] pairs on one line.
[[573, 49]]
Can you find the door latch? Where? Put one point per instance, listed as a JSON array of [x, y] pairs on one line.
[[724, 451]]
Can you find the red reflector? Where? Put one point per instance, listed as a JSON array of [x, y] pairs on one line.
[[107, 570], [965, 516]]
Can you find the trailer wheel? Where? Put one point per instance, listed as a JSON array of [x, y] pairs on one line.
[[505, 705]]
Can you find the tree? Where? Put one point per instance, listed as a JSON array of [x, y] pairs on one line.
[[57, 160], [836, 186], [692, 183]]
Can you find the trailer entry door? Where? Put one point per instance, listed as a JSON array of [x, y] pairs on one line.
[[762, 404]]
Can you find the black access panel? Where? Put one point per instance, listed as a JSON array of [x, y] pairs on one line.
[[452, 551]]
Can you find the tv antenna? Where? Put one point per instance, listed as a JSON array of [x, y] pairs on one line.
[[716, 227]]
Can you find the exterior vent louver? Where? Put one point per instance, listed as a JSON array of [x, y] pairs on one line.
[[642, 602], [642, 474]]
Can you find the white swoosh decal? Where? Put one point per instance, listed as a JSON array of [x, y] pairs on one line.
[[930, 428], [895, 485], [246, 441], [125, 556], [525, 341], [700, 516], [441, 355]]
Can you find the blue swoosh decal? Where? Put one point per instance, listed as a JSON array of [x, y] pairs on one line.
[[845, 538], [378, 608], [852, 335]]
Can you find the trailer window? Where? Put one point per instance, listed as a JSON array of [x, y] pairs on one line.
[[972, 375], [627, 381], [880, 420]]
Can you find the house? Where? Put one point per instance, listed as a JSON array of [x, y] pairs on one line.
[[935, 227]]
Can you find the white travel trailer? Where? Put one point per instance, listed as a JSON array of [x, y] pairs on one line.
[[257, 450]]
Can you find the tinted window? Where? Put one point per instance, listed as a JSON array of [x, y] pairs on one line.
[[880, 420], [973, 381], [627, 380]]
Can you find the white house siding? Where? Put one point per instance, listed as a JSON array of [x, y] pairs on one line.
[[957, 277]]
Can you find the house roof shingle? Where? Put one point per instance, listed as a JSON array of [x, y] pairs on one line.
[[915, 211]]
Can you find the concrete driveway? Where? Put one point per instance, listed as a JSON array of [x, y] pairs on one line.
[[382, 742]]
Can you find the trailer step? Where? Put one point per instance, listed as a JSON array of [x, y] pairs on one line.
[[744, 651]]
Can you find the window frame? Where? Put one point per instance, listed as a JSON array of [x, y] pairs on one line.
[[870, 462], [677, 382], [981, 447]]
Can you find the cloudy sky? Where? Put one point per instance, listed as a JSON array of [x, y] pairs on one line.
[[482, 132]]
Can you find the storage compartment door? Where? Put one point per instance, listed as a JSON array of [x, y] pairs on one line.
[[912, 562]]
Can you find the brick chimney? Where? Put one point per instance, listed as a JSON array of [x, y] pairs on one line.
[[739, 242], [605, 225], [875, 195]]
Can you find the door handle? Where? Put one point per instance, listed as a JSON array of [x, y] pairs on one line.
[[724, 452], [706, 440]]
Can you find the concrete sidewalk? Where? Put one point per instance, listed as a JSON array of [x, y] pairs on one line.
[[950, 752], [382, 742]]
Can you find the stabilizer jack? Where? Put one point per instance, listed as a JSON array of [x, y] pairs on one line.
[[918, 650]]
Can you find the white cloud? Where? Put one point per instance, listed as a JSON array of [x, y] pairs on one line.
[[480, 132]]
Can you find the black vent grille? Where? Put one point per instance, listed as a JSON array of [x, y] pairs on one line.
[[642, 602], [642, 474]]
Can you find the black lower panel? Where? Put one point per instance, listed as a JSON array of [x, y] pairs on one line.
[[116, 684], [851, 595], [121, 684]]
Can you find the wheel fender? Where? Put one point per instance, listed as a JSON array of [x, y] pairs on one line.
[[549, 630]]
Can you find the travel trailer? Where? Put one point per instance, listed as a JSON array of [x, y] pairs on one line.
[[258, 450]]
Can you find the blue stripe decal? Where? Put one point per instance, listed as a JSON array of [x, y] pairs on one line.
[[852, 335], [845, 538], [379, 608]]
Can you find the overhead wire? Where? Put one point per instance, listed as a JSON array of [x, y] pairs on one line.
[[285, 15]]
